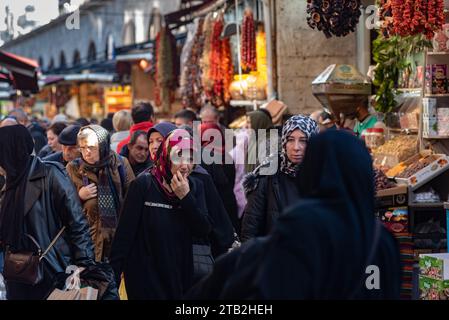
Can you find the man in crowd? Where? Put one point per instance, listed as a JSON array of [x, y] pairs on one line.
[[185, 117], [67, 139], [143, 118], [209, 115], [138, 153], [37, 132]]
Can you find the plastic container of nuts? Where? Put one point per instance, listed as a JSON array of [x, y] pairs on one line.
[[374, 137]]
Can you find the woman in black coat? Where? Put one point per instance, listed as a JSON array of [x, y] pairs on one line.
[[269, 195], [161, 214], [328, 246], [39, 200], [220, 166]]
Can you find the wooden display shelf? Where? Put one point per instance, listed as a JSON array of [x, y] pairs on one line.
[[427, 205], [436, 95], [436, 137], [246, 103], [443, 53]]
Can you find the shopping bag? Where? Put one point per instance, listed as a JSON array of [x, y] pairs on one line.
[[122, 290]]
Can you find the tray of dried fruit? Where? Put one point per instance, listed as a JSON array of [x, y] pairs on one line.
[[419, 169]]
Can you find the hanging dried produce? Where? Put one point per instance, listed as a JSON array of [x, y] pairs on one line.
[[248, 45], [220, 72], [333, 18], [227, 69], [192, 87], [205, 63], [412, 17], [215, 58], [386, 18], [166, 69]]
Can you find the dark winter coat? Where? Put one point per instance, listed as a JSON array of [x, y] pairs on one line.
[[153, 241], [51, 202], [267, 197], [222, 234]]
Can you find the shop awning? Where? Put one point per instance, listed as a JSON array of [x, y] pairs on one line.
[[78, 77], [23, 71], [5, 77], [134, 56], [185, 16]]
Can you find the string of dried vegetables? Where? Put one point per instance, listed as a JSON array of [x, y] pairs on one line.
[[221, 69], [411, 17], [333, 17], [166, 69], [192, 87], [248, 47], [205, 63]]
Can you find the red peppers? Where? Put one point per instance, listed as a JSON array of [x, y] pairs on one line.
[[248, 49], [412, 17]]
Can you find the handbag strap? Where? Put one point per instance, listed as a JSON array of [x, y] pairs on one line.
[[52, 243], [35, 242]]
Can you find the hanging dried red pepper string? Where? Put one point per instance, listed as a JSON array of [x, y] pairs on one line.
[[248, 41], [412, 17]]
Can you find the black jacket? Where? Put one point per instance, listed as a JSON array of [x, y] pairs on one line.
[[45, 152], [56, 157], [267, 197], [153, 241], [223, 176], [51, 202], [39, 136], [222, 234]]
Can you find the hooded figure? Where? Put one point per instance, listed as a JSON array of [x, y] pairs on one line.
[[162, 213], [16, 146], [222, 173], [162, 130], [322, 247], [102, 178], [269, 195], [39, 200]]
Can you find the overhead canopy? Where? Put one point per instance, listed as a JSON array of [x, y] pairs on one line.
[[23, 71]]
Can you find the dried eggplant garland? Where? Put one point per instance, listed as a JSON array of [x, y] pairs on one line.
[[333, 18], [192, 89], [166, 69]]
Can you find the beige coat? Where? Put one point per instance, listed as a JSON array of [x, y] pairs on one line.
[[102, 237]]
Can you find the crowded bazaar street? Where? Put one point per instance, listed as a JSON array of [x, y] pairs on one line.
[[212, 150]]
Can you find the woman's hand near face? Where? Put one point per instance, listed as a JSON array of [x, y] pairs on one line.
[[180, 185]]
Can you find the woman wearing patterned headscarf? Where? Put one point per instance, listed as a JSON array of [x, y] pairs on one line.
[[162, 212], [268, 195], [102, 178]]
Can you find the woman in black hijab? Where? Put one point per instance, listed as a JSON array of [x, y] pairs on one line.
[[16, 147], [321, 247], [39, 204]]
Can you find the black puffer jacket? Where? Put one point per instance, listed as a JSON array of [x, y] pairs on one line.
[[267, 197], [51, 202]]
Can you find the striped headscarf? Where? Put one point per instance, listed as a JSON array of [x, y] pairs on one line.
[[304, 123]]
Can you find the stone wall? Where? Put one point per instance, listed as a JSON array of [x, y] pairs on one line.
[[303, 53]]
